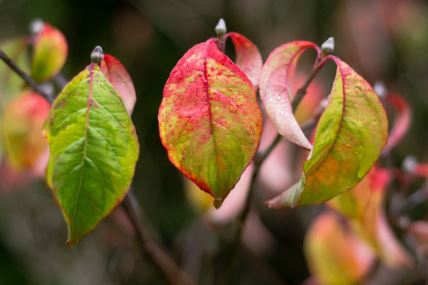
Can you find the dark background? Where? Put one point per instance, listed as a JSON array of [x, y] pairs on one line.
[[382, 40]]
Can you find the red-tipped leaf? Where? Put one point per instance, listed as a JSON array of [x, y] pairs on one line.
[[119, 77], [50, 53]]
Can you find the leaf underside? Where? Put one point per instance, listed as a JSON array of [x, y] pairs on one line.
[[275, 83]]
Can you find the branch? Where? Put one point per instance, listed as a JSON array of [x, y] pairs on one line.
[[164, 264], [24, 76]]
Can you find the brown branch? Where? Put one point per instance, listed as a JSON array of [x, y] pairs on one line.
[[24, 76], [153, 253], [301, 92]]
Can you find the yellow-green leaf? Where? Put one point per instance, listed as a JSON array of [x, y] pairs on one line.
[[93, 151], [349, 138]]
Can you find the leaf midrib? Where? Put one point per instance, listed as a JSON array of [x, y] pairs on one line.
[[85, 144]]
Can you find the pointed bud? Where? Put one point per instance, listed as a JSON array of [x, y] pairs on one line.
[[97, 55], [380, 89], [36, 26], [221, 29], [409, 163], [328, 45]]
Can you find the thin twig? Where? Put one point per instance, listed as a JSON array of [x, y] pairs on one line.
[[301, 92], [163, 263], [24, 76]]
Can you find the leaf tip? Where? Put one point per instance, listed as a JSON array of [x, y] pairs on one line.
[[218, 202]]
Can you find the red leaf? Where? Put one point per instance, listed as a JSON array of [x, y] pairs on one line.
[[401, 123], [275, 90], [248, 57], [209, 119], [116, 73]]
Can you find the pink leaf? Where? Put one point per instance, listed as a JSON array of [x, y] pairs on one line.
[[116, 73], [275, 90], [401, 123], [248, 57]]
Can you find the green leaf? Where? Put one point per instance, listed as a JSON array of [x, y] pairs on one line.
[[93, 151], [50, 53], [209, 119], [349, 138]]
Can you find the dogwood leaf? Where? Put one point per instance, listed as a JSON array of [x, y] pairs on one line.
[[275, 86], [209, 119], [116, 73], [349, 138], [248, 57], [93, 151]]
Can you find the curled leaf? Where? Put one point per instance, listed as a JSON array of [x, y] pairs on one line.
[[50, 53], [116, 73], [349, 138], [93, 151], [334, 254], [248, 57], [23, 122], [275, 91], [209, 119], [401, 123]]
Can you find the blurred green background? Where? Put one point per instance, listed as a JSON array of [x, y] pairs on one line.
[[383, 40]]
